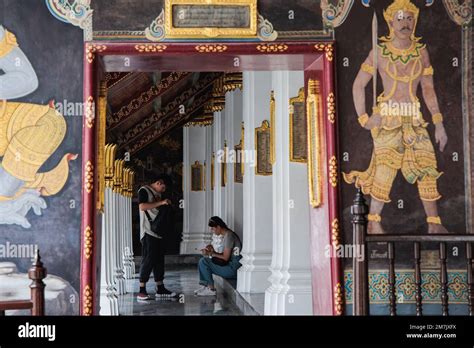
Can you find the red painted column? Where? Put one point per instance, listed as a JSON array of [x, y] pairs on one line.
[[87, 296], [333, 165], [327, 277]]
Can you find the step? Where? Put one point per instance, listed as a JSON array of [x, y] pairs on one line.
[[249, 304]]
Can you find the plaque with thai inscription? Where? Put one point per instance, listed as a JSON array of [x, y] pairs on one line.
[[238, 177], [263, 149], [298, 129], [197, 175], [198, 16], [215, 18]]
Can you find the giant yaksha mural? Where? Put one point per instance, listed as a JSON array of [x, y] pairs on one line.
[[400, 137], [29, 135]]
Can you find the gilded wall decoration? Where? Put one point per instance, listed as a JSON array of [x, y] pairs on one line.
[[335, 14], [197, 177], [263, 146], [211, 48], [150, 48], [272, 48], [328, 49], [156, 31], [315, 127], [298, 128], [88, 242]]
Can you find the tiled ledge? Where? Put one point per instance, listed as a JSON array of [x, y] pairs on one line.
[[249, 304]]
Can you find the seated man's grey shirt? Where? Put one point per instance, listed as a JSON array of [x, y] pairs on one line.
[[152, 196]]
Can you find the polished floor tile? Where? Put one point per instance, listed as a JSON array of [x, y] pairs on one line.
[[183, 282]]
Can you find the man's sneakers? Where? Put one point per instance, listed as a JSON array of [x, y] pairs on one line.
[[206, 292], [164, 293], [200, 289], [143, 296]]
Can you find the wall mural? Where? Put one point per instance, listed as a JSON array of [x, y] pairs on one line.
[[40, 139], [29, 135], [404, 136], [399, 131]]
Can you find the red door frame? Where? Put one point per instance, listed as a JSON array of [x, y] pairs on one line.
[[327, 278]]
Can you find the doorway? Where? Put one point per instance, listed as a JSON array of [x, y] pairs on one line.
[[316, 59]]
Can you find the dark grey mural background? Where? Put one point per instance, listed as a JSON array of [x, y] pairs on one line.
[[139, 14], [55, 52]]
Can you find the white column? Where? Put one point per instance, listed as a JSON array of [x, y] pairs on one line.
[[194, 232], [129, 250], [233, 193], [209, 191], [124, 246], [117, 240], [219, 139], [257, 190], [108, 297], [290, 291]]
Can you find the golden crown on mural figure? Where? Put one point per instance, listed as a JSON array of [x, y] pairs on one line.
[[400, 6]]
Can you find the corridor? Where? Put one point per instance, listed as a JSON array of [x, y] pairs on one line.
[[183, 281]]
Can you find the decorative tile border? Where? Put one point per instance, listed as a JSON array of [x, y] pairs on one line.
[[405, 283]]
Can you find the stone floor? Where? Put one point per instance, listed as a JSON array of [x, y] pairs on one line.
[[184, 282]]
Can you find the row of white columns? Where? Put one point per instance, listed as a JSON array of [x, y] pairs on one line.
[[117, 265], [274, 211]]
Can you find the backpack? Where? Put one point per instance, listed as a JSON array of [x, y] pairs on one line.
[[162, 221]]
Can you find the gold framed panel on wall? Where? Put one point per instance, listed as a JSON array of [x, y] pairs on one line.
[[263, 149], [314, 116], [197, 176], [298, 129], [238, 164], [242, 143], [224, 167], [211, 18], [101, 129], [272, 127], [204, 176], [213, 160]]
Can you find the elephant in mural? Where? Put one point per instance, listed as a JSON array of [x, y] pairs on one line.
[[29, 135]]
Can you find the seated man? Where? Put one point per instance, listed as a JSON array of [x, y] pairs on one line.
[[224, 264]]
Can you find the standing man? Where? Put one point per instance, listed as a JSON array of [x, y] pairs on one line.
[[399, 131], [153, 245]]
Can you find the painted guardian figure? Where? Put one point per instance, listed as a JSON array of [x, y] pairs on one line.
[[29, 135], [398, 128]]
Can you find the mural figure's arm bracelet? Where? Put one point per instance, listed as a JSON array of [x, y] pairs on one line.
[[363, 119], [437, 118]]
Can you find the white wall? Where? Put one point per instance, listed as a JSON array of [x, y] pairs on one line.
[[257, 190], [290, 289], [195, 231], [233, 192]]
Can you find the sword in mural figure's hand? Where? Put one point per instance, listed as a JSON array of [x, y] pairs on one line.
[[375, 65]]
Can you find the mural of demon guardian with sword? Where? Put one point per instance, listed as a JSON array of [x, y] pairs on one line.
[[29, 135], [401, 141]]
